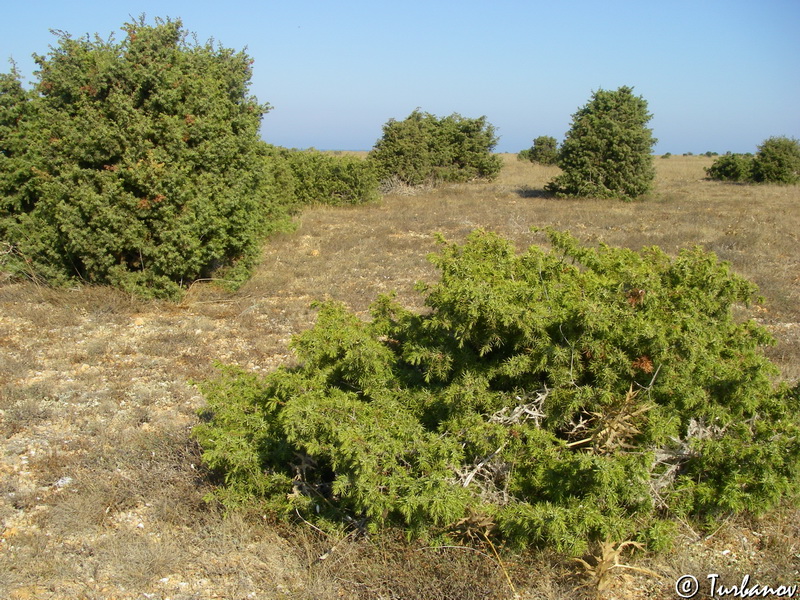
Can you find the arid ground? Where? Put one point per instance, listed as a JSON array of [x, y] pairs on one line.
[[101, 487]]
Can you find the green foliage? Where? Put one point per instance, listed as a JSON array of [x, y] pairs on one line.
[[328, 179], [777, 161], [607, 151], [544, 151], [424, 148], [15, 112], [546, 398], [142, 165], [732, 167]]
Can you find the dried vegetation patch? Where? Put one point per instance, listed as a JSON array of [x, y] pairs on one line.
[[101, 489]]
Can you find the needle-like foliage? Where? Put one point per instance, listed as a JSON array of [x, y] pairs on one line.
[[425, 149], [556, 398], [136, 163], [607, 153]]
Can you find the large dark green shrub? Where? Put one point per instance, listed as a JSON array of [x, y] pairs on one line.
[[142, 165], [547, 398], [321, 178], [777, 161], [424, 148], [544, 151], [607, 152], [732, 167], [15, 129]]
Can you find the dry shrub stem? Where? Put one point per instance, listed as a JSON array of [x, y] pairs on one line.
[[601, 573]]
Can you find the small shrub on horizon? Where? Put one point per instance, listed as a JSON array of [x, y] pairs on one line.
[[776, 161], [544, 151], [544, 398], [426, 149], [731, 167], [335, 179]]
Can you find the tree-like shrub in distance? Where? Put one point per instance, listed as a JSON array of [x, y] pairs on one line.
[[321, 178], [543, 398], [424, 149], [732, 167], [607, 153], [777, 161], [142, 165], [544, 151]]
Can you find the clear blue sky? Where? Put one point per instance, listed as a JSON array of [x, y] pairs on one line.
[[718, 75]]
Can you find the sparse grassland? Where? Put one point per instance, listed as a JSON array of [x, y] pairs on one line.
[[101, 490]]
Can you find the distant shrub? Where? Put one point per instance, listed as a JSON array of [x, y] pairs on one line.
[[322, 178], [731, 167], [667, 155], [544, 151], [136, 163], [424, 148], [777, 161], [607, 152], [544, 398]]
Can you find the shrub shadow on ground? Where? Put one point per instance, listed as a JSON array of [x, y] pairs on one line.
[[527, 192]]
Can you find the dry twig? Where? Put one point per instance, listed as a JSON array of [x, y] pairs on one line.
[[610, 430], [605, 561]]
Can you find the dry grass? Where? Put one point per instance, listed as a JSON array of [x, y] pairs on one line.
[[101, 491]]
